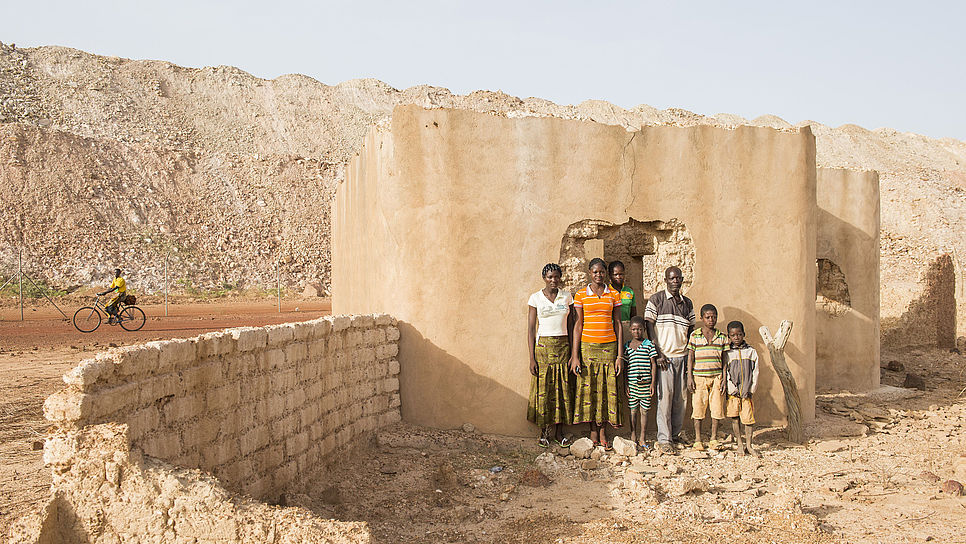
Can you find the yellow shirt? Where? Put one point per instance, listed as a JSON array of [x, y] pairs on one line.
[[120, 284]]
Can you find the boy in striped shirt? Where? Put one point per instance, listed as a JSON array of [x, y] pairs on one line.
[[706, 348], [641, 360]]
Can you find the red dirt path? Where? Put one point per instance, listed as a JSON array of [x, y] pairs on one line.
[[44, 328]]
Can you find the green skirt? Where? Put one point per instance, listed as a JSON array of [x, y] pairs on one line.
[[597, 394], [550, 400]]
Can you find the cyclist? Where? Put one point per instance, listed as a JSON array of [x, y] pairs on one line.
[[120, 286]]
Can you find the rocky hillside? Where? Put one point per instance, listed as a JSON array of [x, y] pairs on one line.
[[108, 161]]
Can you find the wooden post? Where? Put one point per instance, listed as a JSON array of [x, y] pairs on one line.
[[168, 254], [20, 275], [793, 404]]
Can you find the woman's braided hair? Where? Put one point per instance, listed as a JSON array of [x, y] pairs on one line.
[[596, 260], [551, 267]]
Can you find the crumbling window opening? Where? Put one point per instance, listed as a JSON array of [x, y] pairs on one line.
[[831, 289], [646, 248]]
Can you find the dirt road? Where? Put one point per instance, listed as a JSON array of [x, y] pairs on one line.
[[45, 328]]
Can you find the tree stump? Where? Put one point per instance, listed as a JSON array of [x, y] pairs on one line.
[[793, 404]]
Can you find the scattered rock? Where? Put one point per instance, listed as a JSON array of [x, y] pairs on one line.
[[444, 477], [597, 454], [685, 485], [952, 487], [563, 452], [581, 448], [589, 464], [840, 485], [535, 478], [640, 468], [695, 454], [895, 366], [735, 487], [38, 445], [505, 496], [624, 447], [914, 381], [929, 476], [632, 477], [469, 428], [959, 468], [313, 289], [831, 446]]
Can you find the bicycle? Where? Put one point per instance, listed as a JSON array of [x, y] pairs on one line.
[[88, 318]]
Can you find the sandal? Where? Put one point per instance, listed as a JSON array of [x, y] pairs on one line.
[[543, 442], [565, 442], [608, 446]]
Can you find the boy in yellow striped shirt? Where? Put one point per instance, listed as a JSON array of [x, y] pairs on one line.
[[706, 348]]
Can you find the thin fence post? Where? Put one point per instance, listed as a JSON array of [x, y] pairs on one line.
[[20, 275], [278, 286], [168, 254]]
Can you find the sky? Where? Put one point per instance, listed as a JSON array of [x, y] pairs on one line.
[[875, 64]]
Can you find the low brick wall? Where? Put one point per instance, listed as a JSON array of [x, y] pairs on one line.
[[256, 407]]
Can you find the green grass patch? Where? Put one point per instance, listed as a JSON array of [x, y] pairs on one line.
[[30, 290]]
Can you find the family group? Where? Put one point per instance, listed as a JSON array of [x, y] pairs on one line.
[[585, 368]]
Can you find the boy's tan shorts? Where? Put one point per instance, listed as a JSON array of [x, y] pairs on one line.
[[741, 408], [707, 393]]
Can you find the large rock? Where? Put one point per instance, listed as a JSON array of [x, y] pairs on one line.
[[831, 446], [914, 381], [687, 484], [581, 448], [624, 447], [959, 468], [952, 487], [314, 289]]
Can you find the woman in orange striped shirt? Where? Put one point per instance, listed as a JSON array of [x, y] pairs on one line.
[[598, 342]]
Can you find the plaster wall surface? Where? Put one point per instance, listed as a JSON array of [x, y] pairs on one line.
[[446, 218], [257, 409], [847, 335]]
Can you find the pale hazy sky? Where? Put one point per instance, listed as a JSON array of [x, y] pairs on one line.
[[875, 64]]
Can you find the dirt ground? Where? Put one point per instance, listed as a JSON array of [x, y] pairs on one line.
[[35, 353], [872, 470], [867, 474]]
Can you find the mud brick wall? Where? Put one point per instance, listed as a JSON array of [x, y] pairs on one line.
[[256, 407]]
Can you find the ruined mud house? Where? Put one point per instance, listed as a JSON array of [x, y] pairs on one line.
[[446, 217]]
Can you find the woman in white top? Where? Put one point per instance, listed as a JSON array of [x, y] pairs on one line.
[[548, 335]]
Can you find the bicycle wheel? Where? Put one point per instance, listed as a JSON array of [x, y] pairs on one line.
[[132, 318], [87, 319]]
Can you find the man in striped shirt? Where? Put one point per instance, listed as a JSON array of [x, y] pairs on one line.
[[705, 352], [669, 316]]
